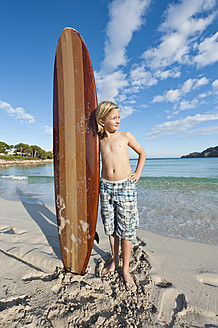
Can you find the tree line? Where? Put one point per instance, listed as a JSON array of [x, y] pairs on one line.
[[25, 150]]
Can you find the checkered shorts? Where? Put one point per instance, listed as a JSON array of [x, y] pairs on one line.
[[119, 208]]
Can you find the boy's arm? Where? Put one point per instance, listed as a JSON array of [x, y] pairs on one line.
[[134, 177]]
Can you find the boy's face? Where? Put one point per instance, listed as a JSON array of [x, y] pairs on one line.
[[112, 121]]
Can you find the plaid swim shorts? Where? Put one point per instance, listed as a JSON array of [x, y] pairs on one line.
[[119, 208]]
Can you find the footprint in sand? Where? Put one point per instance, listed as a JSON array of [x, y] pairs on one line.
[[8, 230], [210, 279], [162, 283], [12, 231]]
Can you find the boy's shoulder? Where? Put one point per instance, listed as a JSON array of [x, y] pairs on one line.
[[126, 134]]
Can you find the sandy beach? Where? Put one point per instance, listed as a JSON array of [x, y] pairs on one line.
[[177, 280], [6, 163]]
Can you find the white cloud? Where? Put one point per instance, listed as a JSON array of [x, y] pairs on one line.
[[18, 113], [194, 84], [130, 101], [180, 14], [168, 96], [164, 74], [174, 95], [110, 85], [201, 82], [184, 104], [141, 78], [203, 131], [48, 130], [188, 85], [159, 98], [180, 29], [215, 86], [183, 25], [126, 111], [203, 95], [171, 49], [181, 125], [125, 17], [207, 51]]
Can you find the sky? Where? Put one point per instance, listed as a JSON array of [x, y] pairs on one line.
[[156, 59]]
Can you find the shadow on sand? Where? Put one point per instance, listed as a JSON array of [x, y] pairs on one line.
[[45, 219]]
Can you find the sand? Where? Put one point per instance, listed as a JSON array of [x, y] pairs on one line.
[[177, 280], [15, 162]]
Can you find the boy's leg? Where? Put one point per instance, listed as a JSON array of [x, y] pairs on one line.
[[126, 246], [108, 218], [127, 222], [114, 242]]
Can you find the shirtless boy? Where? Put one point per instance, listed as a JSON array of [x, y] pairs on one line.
[[117, 186]]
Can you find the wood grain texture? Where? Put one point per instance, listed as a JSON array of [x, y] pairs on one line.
[[76, 150]]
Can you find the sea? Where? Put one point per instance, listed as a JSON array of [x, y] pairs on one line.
[[177, 197]]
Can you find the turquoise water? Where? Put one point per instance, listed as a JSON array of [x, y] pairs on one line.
[[180, 207], [33, 184], [176, 197], [180, 167]]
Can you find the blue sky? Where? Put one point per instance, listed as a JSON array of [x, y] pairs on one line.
[[157, 59]]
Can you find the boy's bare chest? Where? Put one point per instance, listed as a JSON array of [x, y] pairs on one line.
[[116, 147]]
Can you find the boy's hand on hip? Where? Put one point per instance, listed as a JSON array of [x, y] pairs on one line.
[[134, 177]]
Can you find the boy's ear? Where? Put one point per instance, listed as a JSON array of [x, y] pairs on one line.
[[101, 122]]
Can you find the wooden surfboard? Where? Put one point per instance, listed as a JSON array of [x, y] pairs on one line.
[[76, 150]]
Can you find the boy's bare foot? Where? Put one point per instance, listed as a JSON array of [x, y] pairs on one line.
[[128, 279], [129, 282], [109, 269]]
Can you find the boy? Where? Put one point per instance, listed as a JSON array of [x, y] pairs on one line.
[[117, 186]]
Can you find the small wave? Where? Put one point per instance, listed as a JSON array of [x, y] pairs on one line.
[[48, 177], [14, 177]]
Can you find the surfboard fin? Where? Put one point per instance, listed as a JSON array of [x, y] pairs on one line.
[[96, 237]]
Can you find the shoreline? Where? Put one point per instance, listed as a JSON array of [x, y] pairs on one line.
[[176, 279], [140, 228], [14, 162]]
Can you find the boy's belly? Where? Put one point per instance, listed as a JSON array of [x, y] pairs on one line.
[[116, 173]]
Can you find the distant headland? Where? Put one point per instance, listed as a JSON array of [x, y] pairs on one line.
[[209, 152]]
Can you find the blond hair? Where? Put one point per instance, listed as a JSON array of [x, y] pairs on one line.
[[101, 112]]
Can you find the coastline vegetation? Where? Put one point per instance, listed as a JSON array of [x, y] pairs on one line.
[[23, 151]]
